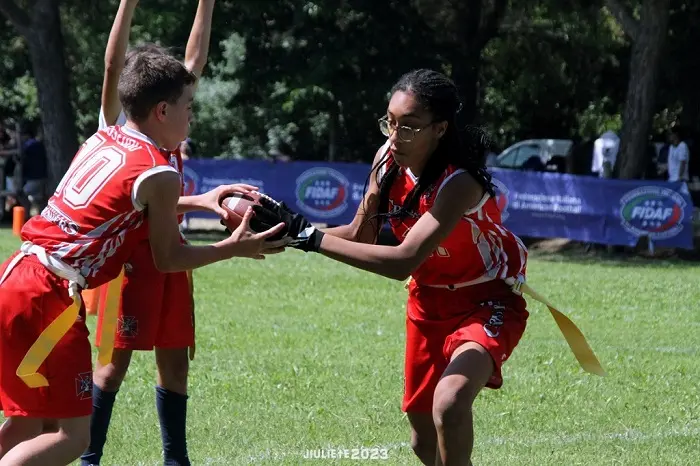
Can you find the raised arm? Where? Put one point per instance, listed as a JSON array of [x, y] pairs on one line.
[[115, 55], [459, 195], [197, 49]]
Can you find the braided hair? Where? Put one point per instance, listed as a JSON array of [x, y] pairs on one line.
[[465, 148]]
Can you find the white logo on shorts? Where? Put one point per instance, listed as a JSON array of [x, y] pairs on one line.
[[493, 326], [83, 386]]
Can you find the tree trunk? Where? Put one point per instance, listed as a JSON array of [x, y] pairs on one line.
[[45, 44], [690, 117], [40, 26], [465, 74], [647, 48], [333, 131], [465, 27]]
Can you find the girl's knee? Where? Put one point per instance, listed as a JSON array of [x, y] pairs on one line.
[[452, 402]]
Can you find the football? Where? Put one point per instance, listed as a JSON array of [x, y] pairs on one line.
[[236, 206]]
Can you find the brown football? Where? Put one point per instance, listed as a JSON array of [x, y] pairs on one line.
[[236, 206]]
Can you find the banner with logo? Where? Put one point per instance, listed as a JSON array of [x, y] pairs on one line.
[[534, 204], [323, 192], [613, 212]]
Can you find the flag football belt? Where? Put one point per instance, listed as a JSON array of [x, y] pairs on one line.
[[573, 336], [52, 334]]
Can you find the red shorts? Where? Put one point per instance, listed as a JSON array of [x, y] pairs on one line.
[[439, 321], [156, 308], [30, 299]]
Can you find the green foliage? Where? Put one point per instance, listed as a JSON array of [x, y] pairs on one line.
[[18, 97], [300, 77]]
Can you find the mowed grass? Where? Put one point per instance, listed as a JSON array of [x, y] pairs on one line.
[[297, 352]]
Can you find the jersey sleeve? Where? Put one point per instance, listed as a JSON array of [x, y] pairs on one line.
[[102, 123], [143, 177]]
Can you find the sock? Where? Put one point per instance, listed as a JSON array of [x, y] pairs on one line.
[[172, 412], [102, 404]]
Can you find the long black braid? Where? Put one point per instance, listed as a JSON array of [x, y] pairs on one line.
[[465, 148]]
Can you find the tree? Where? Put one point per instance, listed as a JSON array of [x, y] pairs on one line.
[[463, 29], [553, 71], [648, 36], [315, 76], [40, 25]]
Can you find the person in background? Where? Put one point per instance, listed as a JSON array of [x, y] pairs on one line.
[[604, 154], [187, 149], [678, 157]]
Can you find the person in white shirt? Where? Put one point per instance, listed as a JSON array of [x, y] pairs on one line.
[[604, 154], [678, 156]]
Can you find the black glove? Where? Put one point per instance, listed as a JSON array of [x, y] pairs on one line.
[[303, 235], [263, 220]]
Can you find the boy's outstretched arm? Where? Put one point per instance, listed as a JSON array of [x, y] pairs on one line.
[[159, 194], [197, 49], [115, 55]]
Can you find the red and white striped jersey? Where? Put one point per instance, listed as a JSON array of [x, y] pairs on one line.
[[478, 249], [174, 157], [94, 218]]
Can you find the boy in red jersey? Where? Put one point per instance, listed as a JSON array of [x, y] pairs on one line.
[[463, 318], [119, 185], [156, 310]]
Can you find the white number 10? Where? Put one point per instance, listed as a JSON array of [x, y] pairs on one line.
[[92, 168]]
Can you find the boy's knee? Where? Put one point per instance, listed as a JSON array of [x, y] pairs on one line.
[[76, 434], [173, 368], [110, 377]]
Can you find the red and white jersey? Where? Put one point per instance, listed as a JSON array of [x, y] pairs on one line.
[[175, 161], [174, 157], [94, 218], [479, 248]]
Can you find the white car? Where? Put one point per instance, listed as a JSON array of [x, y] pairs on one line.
[[535, 154]]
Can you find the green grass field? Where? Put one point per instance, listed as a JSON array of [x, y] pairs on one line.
[[298, 353]]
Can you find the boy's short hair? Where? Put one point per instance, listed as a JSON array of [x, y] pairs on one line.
[[149, 78], [146, 47]]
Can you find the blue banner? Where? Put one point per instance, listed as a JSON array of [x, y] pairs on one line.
[[323, 192], [534, 204], [584, 208]]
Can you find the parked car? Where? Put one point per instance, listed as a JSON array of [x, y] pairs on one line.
[[535, 155]]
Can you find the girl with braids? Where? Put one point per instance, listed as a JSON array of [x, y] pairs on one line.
[[463, 317]]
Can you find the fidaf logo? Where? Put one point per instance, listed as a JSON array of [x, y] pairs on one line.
[[501, 198], [652, 211], [322, 192]]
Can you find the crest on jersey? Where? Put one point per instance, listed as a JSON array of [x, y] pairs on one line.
[[83, 386], [652, 211], [501, 198], [322, 192], [127, 327]]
